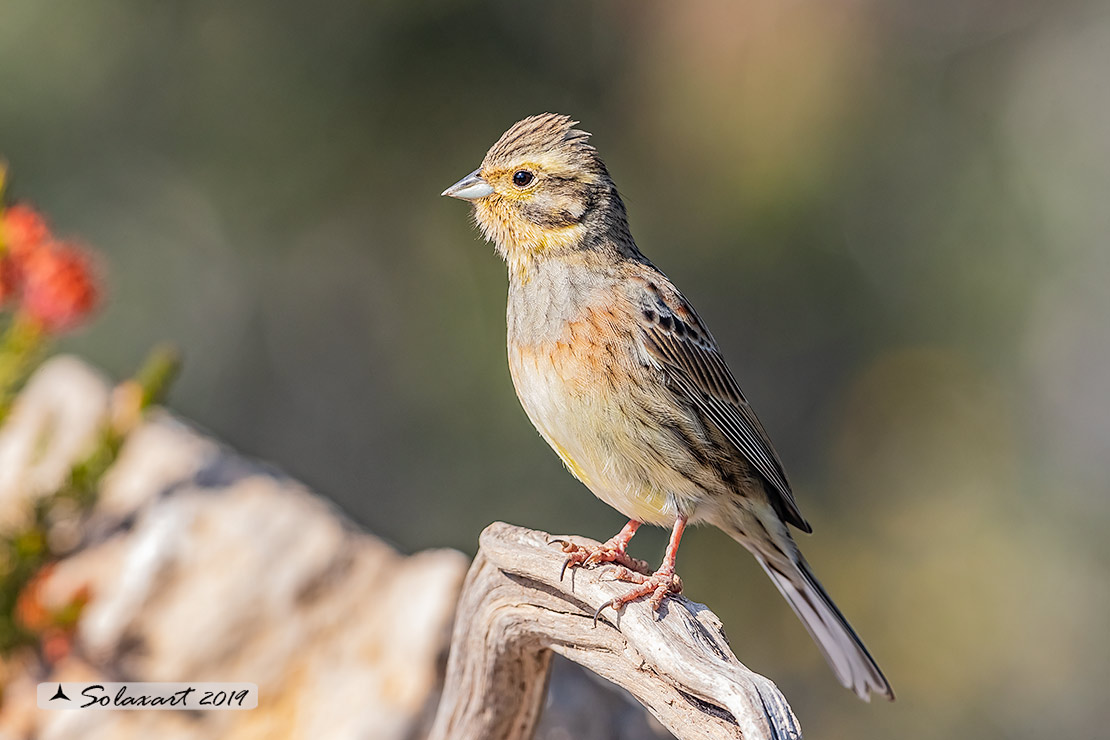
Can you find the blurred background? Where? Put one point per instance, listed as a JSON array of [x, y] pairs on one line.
[[893, 215]]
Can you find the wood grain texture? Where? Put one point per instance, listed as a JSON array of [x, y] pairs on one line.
[[515, 612]]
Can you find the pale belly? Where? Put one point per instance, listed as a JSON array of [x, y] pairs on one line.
[[603, 436]]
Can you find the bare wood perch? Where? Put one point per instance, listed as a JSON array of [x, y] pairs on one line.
[[514, 612]]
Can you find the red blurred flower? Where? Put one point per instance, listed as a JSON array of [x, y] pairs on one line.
[[55, 625], [23, 230], [57, 644], [52, 280], [58, 286], [9, 278], [29, 609]]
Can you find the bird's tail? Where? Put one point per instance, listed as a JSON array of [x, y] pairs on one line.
[[853, 665]]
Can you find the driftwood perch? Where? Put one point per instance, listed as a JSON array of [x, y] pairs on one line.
[[514, 612]]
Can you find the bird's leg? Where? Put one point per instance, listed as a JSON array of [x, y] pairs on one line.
[[658, 584], [615, 550]]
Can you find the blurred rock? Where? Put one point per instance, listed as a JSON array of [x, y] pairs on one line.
[[52, 424], [204, 566]]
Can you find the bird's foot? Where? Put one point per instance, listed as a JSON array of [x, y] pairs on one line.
[[609, 552], [658, 585]]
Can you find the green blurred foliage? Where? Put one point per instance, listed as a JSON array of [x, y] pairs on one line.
[[893, 216]]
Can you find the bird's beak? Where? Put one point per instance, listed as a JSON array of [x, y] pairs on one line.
[[471, 187]]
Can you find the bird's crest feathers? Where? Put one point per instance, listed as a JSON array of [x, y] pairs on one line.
[[546, 133]]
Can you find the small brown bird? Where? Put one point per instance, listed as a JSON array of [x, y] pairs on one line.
[[622, 379]]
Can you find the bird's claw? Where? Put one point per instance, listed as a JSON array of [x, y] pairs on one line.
[[658, 585], [576, 555], [612, 573], [611, 602], [566, 564], [568, 547], [591, 556]]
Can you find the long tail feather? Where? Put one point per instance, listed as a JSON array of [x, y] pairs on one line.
[[853, 665]]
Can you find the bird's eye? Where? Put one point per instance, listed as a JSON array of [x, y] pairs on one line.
[[521, 178]]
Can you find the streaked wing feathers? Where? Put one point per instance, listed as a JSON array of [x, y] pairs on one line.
[[675, 336]]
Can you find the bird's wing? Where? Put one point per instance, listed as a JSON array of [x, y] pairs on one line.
[[677, 339]]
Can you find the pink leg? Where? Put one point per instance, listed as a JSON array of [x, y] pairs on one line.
[[621, 539], [658, 584], [615, 550], [672, 547]]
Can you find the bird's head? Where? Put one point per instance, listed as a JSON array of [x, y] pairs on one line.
[[542, 191]]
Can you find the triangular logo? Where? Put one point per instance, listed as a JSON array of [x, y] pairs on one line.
[[59, 694]]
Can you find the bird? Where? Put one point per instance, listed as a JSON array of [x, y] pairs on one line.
[[621, 377]]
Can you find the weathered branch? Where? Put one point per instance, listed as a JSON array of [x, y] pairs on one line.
[[514, 612]]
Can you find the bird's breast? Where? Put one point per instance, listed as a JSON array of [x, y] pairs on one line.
[[586, 390]]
